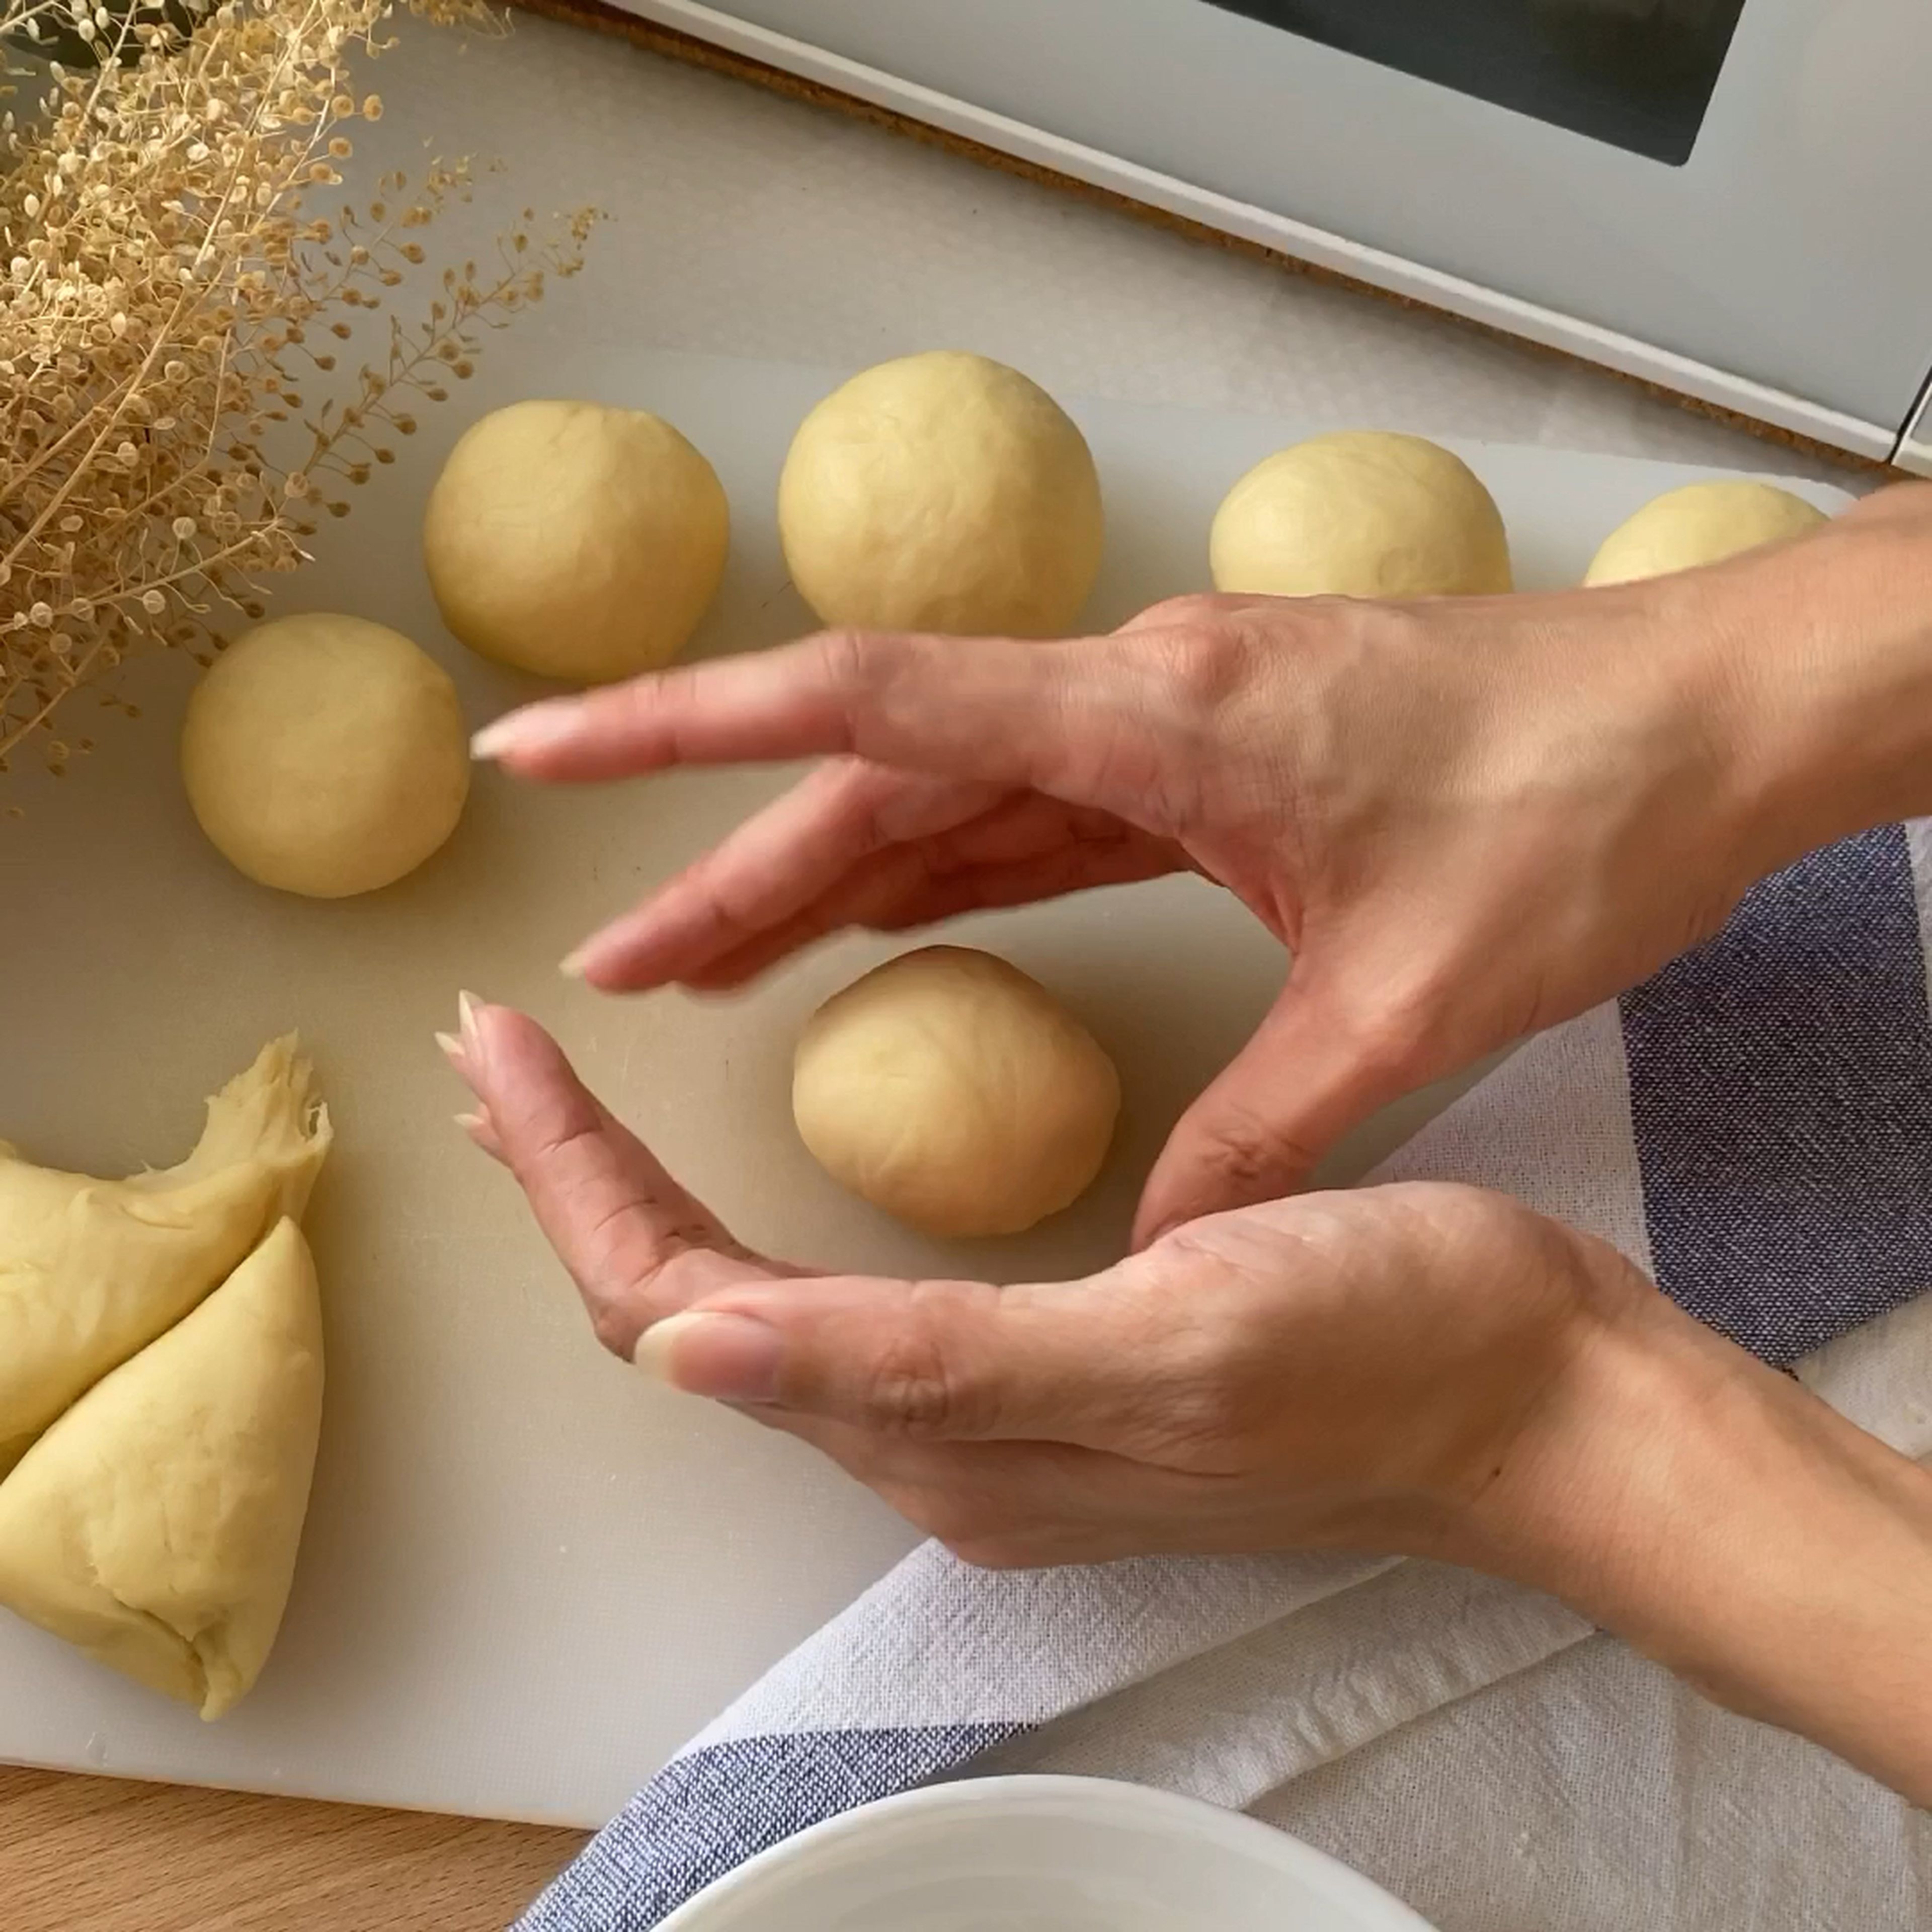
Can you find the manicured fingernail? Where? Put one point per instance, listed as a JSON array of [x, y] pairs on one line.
[[532, 729], [482, 1133], [452, 1049], [574, 965], [727, 1357], [467, 1004]]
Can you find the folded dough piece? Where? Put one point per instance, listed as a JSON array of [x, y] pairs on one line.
[[91, 1270], [155, 1525]]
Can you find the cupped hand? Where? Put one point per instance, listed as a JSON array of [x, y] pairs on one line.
[[1467, 819], [1361, 1370]]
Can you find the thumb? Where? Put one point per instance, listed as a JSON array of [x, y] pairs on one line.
[[1316, 1066], [929, 1361]]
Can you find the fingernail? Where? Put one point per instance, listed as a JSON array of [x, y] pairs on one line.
[[452, 1049], [574, 965], [727, 1357], [532, 729], [481, 1131], [467, 1004]]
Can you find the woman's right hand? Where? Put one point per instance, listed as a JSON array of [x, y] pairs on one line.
[[1468, 819]]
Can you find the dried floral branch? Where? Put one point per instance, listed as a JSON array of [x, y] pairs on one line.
[[165, 291]]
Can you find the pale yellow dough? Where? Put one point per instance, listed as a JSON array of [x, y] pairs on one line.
[[950, 1089], [1701, 524], [1362, 513], [942, 492], [575, 541], [91, 1271], [155, 1526], [326, 755]]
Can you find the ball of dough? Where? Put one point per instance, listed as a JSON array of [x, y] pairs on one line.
[[575, 541], [948, 1088], [326, 755], [942, 492], [1360, 513], [1702, 523]]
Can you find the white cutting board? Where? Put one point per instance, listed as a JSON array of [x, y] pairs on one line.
[[528, 1574]]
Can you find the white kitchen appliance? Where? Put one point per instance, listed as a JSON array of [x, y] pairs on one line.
[[1729, 198]]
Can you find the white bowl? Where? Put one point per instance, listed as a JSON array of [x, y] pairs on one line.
[[1042, 1854]]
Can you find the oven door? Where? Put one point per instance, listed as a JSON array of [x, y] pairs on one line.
[[1728, 197]]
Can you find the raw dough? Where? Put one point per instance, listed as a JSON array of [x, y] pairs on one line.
[[576, 541], [154, 1526], [942, 492], [1360, 513], [91, 1271], [326, 755], [952, 1090], [1702, 523]]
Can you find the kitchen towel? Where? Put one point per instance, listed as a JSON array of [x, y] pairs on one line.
[[1753, 1127]]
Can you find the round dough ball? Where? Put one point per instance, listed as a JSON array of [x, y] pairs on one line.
[[573, 540], [942, 492], [948, 1088], [1702, 523], [326, 755], [1360, 513]]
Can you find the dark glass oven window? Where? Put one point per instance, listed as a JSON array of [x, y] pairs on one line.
[[1638, 74]]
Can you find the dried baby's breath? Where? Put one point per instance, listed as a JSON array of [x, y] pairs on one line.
[[168, 289]]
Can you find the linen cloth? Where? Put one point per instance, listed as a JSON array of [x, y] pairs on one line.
[[1753, 1127]]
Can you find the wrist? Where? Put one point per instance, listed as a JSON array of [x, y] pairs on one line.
[[1816, 661], [1728, 1524]]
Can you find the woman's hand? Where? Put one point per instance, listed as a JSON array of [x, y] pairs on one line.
[[1455, 814], [1430, 1370], [1357, 1368], [1469, 819]]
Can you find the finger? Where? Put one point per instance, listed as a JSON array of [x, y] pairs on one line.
[[774, 866], [920, 886], [1053, 717], [482, 1132], [927, 1361], [637, 1246], [1324, 1059]]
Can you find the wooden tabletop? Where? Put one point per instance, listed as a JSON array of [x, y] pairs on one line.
[[103, 1855]]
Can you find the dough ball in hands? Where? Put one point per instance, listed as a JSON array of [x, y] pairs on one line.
[[575, 541], [1701, 524], [942, 492], [950, 1089], [1362, 513], [326, 755]]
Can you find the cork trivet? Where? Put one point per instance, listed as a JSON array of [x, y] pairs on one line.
[[693, 51]]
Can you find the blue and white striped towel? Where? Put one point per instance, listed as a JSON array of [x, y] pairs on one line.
[[1753, 1127]]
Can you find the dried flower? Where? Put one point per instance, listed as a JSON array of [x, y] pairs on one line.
[[160, 275]]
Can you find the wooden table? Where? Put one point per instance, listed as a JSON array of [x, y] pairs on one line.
[[102, 1855]]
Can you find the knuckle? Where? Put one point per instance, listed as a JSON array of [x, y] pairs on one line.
[[852, 666], [1201, 667], [1253, 1157], [913, 1391]]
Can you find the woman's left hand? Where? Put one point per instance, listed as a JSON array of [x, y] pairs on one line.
[[1421, 1370], [1363, 1369]]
